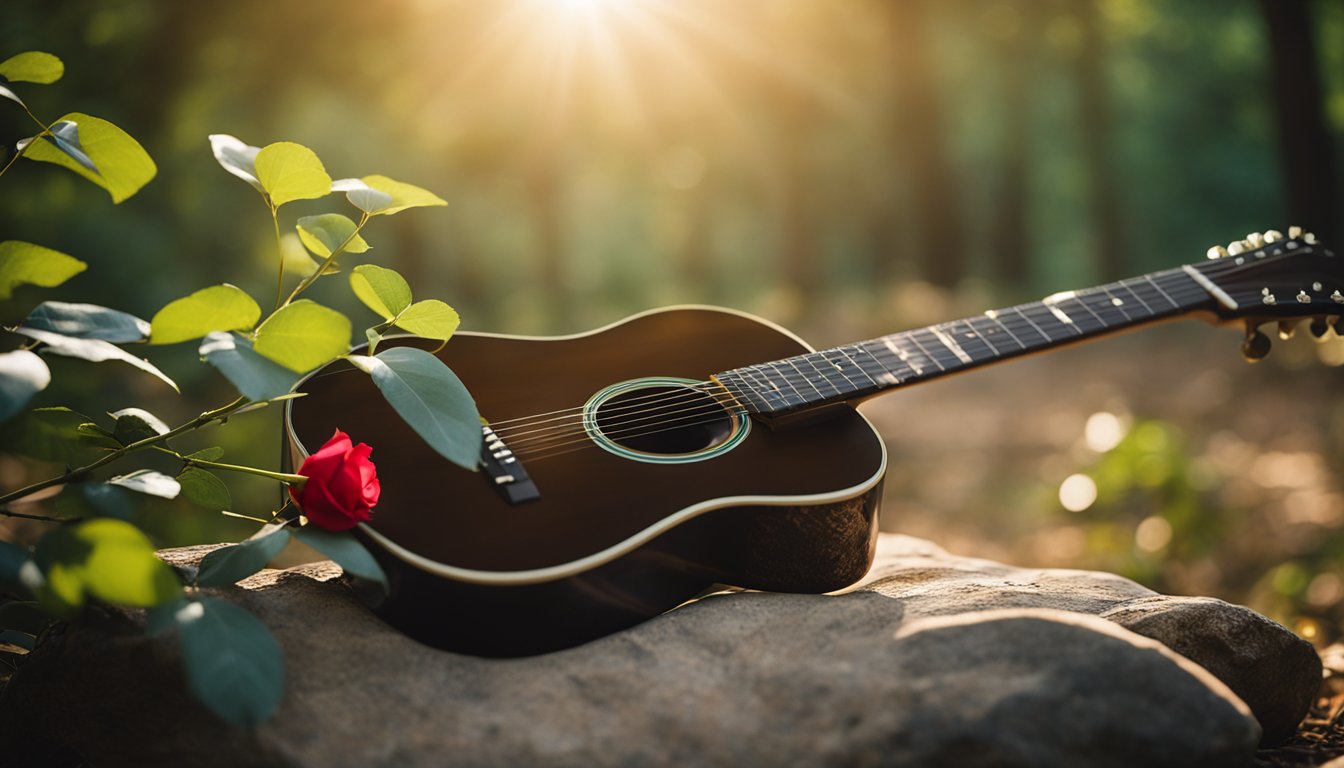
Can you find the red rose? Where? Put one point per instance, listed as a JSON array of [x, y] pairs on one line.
[[342, 484]]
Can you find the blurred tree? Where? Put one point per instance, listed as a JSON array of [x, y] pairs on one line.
[[920, 143], [1305, 147], [1094, 108]]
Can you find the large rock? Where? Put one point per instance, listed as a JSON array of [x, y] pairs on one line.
[[888, 674]]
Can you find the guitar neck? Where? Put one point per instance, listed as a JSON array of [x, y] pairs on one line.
[[857, 371]]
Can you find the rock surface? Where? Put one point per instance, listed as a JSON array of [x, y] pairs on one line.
[[934, 660]]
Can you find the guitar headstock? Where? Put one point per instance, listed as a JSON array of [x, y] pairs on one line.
[[1270, 277]]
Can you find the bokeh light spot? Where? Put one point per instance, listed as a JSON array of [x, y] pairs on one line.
[[1077, 492]]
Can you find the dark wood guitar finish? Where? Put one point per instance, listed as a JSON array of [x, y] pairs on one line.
[[734, 457], [811, 525]]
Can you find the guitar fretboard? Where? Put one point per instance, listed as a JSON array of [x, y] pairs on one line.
[[859, 370]]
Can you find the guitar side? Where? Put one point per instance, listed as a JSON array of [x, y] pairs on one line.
[[612, 541]]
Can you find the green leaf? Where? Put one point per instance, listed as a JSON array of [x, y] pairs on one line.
[[27, 264], [236, 157], [51, 434], [303, 335], [93, 350], [402, 195], [22, 375], [233, 663], [134, 424], [374, 337], [148, 482], [213, 453], [430, 399], [119, 164], [228, 565], [217, 308], [345, 550], [109, 500], [381, 289], [107, 559], [32, 67], [430, 318], [289, 171], [325, 233], [255, 377], [361, 195], [87, 321], [204, 489]]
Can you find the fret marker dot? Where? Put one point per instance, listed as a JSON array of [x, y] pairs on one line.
[[1117, 303]]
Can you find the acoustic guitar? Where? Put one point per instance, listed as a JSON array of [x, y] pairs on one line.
[[628, 469]]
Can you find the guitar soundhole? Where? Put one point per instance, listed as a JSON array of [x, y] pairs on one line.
[[663, 420]]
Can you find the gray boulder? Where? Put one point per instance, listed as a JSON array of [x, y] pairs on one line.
[[887, 674]]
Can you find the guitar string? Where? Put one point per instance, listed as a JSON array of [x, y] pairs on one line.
[[1184, 294], [1184, 291], [643, 401], [568, 428], [654, 399], [698, 407]]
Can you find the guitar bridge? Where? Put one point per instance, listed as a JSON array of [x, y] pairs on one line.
[[505, 471]]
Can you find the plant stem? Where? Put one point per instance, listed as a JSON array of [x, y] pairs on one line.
[[309, 280], [199, 421], [280, 257], [45, 128], [43, 518], [281, 476], [19, 153]]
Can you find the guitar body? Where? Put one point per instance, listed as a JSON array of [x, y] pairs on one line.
[[619, 532]]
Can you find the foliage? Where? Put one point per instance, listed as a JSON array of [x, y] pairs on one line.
[[232, 664]]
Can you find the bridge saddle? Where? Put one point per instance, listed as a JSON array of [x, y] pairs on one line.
[[504, 469]]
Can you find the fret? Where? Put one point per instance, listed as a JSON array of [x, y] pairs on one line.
[[829, 374], [971, 342], [792, 396], [1018, 311], [1146, 306], [993, 317], [1100, 304], [1086, 320], [911, 335], [880, 373], [744, 393], [768, 390], [914, 360], [1046, 318], [839, 359], [1115, 301], [793, 363], [950, 342], [1165, 295], [890, 369]]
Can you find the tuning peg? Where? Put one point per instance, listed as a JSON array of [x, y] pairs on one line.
[[1255, 346], [1287, 328], [1217, 252], [1309, 238], [1338, 325], [1294, 232], [1256, 240], [1236, 247], [1273, 236], [1319, 327]]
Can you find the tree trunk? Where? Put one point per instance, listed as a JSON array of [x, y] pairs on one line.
[[1010, 251], [1304, 143]]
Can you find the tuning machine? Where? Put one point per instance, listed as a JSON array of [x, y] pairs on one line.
[[1256, 344], [1319, 327]]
